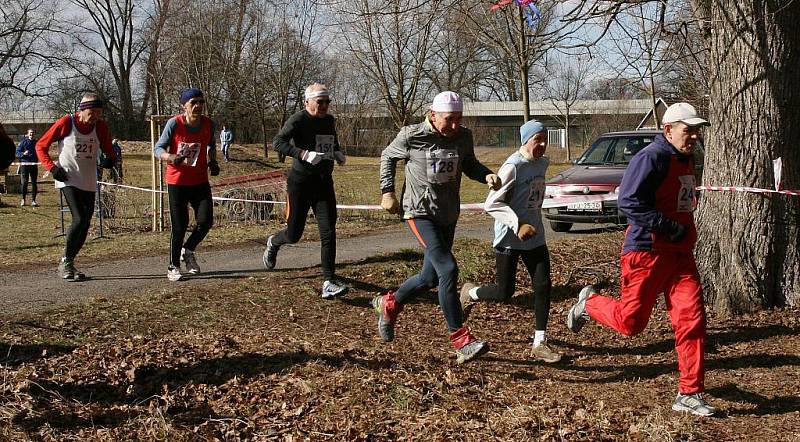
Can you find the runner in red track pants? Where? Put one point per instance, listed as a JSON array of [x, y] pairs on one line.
[[657, 195]]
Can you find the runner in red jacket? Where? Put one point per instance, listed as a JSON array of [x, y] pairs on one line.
[[80, 136]]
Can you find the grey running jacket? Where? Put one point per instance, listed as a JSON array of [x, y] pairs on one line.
[[433, 171]]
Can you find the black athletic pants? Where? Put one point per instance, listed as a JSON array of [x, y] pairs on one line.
[[81, 206], [29, 173], [180, 198], [313, 192], [537, 261]]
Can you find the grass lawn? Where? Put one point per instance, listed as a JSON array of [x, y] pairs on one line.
[[31, 236]]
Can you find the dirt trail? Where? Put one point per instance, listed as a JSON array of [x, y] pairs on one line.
[[30, 291]]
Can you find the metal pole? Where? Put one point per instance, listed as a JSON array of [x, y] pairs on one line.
[[99, 208], [61, 211], [153, 172]]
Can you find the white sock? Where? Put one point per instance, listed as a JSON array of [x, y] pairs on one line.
[[538, 337], [473, 293]]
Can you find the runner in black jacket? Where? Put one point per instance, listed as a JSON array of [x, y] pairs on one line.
[[309, 136]]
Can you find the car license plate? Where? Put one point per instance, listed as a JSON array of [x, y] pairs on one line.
[[587, 206]]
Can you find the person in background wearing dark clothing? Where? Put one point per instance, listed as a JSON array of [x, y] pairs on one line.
[[26, 152], [436, 153], [310, 137], [6, 151], [187, 145], [80, 137], [657, 194], [116, 172]]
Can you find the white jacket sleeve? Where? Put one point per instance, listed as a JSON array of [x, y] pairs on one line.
[[496, 204]]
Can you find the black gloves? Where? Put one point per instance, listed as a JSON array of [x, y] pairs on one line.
[[213, 167], [678, 233], [59, 173], [107, 162]]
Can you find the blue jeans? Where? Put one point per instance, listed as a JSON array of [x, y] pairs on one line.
[[439, 267]]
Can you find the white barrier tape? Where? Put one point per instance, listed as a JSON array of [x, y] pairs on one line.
[[747, 189], [217, 198], [546, 204], [25, 163]]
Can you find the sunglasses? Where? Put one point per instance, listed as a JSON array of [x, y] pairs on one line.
[[323, 101], [194, 102]]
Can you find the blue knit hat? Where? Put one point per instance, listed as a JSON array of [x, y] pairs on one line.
[[188, 94], [529, 129]]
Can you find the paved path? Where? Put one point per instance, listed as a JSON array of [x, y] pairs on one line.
[[31, 291]]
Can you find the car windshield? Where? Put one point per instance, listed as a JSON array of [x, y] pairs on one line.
[[614, 150]]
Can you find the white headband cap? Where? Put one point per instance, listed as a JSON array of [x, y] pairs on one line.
[[317, 93], [447, 101]]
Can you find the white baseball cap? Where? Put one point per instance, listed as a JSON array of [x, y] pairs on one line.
[[447, 101], [684, 113]]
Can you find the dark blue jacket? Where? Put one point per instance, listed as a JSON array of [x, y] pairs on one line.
[[657, 195], [30, 146]]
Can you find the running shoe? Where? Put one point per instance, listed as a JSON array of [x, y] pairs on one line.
[[34, 203], [577, 315], [331, 290], [385, 325], [188, 258], [67, 270], [471, 351], [270, 254], [544, 353], [174, 273], [693, 403], [465, 297]]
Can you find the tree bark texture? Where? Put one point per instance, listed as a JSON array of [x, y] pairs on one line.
[[748, 243]]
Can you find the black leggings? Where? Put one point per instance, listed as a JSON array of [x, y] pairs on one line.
[[180, 197], [537, 261], [81, 206], [26, 173], [314, 192]]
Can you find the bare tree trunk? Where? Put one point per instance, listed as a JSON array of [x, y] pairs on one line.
[[748, 247], [524, 69]]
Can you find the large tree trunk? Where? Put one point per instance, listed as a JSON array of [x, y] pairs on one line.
[[748, 246]]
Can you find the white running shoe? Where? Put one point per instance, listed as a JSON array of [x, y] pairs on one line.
[[22, 203], [174, 274], [34, 203], [187, 256]]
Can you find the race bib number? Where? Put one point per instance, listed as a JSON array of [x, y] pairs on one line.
[[537, 194], [442, 165], [325, 146], [85, 147], [190, 151], [686, 194]]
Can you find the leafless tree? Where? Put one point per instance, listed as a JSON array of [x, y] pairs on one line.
[[391, 42], [565, 84], [515, 45], [110, 35], [25, 28], [749, 244]]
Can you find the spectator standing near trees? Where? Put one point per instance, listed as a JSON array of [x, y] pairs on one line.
[[226, 138], [80, 138], [26, 153]]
